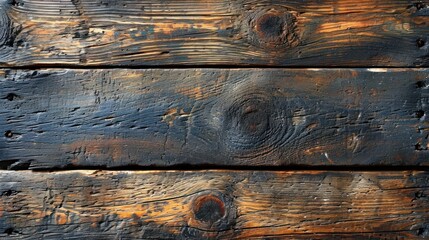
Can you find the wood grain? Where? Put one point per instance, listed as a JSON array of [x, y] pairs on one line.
[[213, 32], [166, 117], [216, 205]]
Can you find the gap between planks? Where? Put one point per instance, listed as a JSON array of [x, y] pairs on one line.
[[186, 168], [206, 66]]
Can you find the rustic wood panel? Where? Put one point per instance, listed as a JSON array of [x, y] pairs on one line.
[[118, 118], [189, 32], [214, 204]]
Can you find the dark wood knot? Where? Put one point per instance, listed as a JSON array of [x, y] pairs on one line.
[[212, 211], [251, 116], [247, 121], [274, 28], [209, 209], [256, 124]]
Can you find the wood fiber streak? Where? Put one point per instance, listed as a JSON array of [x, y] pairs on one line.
[[57, 118], [217, 205], [212, 32]]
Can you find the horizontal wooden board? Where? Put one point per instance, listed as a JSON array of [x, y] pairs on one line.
[[214, 32], [214, 205], [164, 117]]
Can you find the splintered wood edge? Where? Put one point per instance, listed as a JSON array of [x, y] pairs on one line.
[[213, 204]]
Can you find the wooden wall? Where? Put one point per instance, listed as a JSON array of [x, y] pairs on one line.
[[203, 119]]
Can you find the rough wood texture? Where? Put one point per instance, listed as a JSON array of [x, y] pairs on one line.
[[117, 118], [245, 32], [214, 204]]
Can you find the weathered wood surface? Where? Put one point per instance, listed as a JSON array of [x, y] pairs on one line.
[[246, 32], [119, 118], [214, 204]]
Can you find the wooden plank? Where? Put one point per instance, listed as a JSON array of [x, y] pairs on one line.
[[245, 32], [164, 117], [214, 205]]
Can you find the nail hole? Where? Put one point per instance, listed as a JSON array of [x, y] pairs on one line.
[[11, 96], [9, 231], [420, 114], [17, 3], [419, 5], [8, 134], [419, 194], [421, 232], [8, 193], [418, 147], [421, 84], [420, 42]]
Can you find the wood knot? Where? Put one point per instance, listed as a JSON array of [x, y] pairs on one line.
[[209, 209], [274, 28], [212, 211], [247, 121], [252, 116], [255, 124]]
